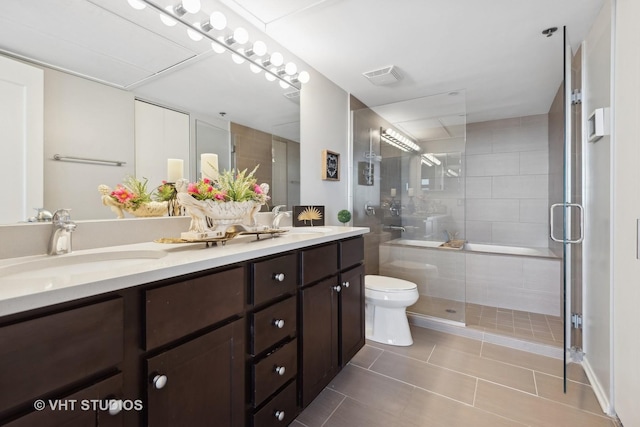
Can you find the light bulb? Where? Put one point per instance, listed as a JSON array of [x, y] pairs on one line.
[[290, 68], [255, 68], [137, 4], [218, 21], [216, 47], [194, 35], [191, 6], [283, 84], [240, 35], [169, 22], [237, 57], [258, 48], [303, 77], [269, 77], [276, 59]]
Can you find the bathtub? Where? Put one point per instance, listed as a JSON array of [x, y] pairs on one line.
[[517, 278]]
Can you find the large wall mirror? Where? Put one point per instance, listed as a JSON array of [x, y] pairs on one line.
[[99, 57]]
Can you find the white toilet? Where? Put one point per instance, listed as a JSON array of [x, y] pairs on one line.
[[386, 301]]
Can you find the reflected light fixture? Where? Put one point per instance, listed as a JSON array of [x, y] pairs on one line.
[[272, 64], [398, 140], [136, 4], [433, 159]]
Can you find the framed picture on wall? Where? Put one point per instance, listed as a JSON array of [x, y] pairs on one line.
[[330, 165]]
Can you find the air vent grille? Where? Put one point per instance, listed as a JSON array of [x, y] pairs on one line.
[[384, 76]]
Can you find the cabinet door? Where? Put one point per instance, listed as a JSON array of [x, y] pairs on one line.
[[199, 383], [351, 313], [319, 337]]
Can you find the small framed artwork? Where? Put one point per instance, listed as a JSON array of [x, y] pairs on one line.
[[305, 216], [330, 165]]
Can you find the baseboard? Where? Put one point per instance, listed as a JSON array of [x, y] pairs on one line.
[[599, 391]]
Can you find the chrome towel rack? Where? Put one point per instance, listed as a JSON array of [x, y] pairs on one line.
[[87, 160]]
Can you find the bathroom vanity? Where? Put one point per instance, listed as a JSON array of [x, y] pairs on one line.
[[245, 334]]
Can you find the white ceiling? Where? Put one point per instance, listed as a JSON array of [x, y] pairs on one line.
[[492, 51]]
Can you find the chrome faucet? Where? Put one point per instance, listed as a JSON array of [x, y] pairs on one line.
[[60, 241], [277, 216], [394, 227]]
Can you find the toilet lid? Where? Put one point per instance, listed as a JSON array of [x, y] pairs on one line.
[[387, 284]]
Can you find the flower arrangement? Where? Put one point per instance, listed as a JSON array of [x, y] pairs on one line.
[[132, 193], [231, 186]]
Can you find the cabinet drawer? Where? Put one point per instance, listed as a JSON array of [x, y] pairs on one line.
[[269, 375], [280, 411], [81, 408], [351, 252], [174, 311], [273, 324], [49, 352], [319, 262], [273, 277]]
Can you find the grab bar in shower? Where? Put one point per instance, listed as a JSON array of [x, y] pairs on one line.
[[551, 222], [87, 160]]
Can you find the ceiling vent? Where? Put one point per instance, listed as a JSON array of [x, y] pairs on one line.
[[293, 96], [383, 76]]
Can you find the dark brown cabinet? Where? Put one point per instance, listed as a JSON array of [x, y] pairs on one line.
[[199, 383], [332, 311], [250, 344]]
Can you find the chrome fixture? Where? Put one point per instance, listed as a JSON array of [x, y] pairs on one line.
[[42, 215], [398, 140], [62, 158], [394, 228], [233, 43], [60, 241], [395, 208], [369, 210], [277, 216]]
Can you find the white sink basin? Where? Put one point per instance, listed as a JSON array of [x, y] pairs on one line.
[[74, 264]]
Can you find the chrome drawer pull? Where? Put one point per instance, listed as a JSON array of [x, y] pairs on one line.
[[278, 277], [337, 288], [279, 415], [278, 323], [280, 370], [115, 406], [159, 381], [345, 284]]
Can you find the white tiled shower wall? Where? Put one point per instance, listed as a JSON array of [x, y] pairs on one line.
[[507, 171]]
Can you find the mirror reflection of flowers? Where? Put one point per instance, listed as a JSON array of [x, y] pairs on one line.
[[132, 193]]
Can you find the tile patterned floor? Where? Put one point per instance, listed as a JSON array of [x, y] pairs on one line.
[[534, 327], [448, 380]]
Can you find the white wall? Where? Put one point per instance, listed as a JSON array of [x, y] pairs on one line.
[[597, 201], [324, 125], [626, 212]]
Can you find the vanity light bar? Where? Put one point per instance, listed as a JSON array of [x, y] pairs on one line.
[[431, 158], [290, 77], [398, 140]]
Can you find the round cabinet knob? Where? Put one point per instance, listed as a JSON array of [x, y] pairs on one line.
[[278, 277], [115, 406], [278, 323], [345, 284], [159, 381], [279, 415], [280, 370], [337, 288]]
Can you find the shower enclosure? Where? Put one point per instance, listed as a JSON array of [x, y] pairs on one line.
[[410, 190]]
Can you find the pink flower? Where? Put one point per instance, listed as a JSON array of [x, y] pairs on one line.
[[209, 189], [192, 188], [257, 189], [206, 180], [220, 196]]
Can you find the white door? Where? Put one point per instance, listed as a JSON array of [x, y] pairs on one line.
[[21, 139]]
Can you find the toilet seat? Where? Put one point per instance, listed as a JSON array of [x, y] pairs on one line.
[[387, 284]]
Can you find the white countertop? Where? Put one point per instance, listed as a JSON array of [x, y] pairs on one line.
[[21, 292]]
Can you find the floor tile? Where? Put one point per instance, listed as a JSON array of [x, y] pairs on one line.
[[488, 369], [427, 376], [352, 413], [372, 389], [427, 409], [578, 395], [321, 408], [533, 410], [366, 356]]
